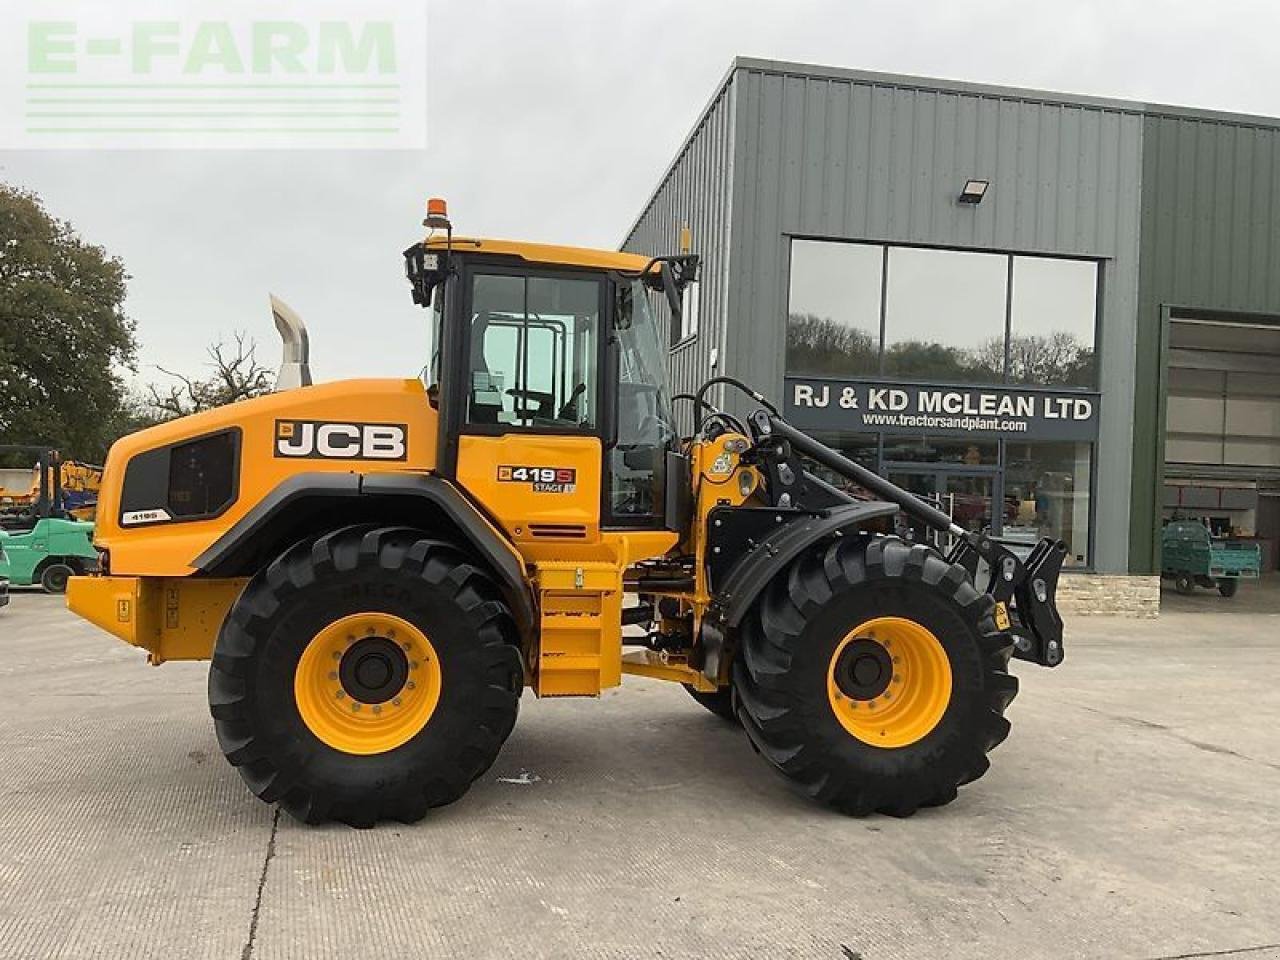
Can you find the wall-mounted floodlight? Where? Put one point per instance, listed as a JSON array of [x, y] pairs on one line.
[[974, 191]]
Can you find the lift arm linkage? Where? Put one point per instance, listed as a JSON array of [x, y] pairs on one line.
[[1024, 590]]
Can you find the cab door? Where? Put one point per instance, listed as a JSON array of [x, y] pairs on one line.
[[529, 411]]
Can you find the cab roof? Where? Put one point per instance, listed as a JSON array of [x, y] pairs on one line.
[[549, 253]]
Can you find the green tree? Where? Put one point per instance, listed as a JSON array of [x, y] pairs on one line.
[[65, 342]]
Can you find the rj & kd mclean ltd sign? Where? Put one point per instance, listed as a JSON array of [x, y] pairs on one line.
[[816, 403]]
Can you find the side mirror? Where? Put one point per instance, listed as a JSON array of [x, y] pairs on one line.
[[672, 290]]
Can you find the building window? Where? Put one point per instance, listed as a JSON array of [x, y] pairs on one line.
[[862, 448], [833, 317], [1053, 316], [944, 315], [949, 316], [1046, 494], [689, 311], [960, 451]]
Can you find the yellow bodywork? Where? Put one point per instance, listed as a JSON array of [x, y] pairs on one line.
[[167, 550], [575, 568], [547, 253], [171, 618]]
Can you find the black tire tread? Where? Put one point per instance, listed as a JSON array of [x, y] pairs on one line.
[[720, 703], [245, 634], [775, 720]]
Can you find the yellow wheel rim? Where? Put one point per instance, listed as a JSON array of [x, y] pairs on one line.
[[889, 682], [367, 683]]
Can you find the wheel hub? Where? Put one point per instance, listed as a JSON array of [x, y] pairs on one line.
[[863, 669], [889, 682], [373, 670], [367, 683]]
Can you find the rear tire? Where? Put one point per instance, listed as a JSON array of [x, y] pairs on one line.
[[946, 679], [1228, 586], [720, 703], [407, 745], [1185, 584], [54, 577]]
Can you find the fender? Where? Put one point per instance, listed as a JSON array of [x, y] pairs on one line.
[[308, 503], [772, 554]]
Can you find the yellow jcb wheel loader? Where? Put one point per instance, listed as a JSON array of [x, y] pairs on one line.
[[378, 568]]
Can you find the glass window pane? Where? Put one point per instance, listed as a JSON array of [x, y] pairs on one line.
[[1046, 494], [861, 448], [533, 351], [833, 314], [959, 450], [1055, 305], [944, 315]]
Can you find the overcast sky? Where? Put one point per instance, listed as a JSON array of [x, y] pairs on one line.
[[552, 120]]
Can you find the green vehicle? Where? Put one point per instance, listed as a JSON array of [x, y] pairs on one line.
[[48, 553], [44, 544], [1192, 557]]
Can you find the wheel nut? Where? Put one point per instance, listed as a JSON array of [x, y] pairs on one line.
[[340, 694], [413, 665], [332, 675], [896, 678], [410, 684], [337, 654], [395, 702], [355, 708], [377, 709], [408, 646]]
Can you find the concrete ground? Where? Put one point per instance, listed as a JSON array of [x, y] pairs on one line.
[[1132, 813]]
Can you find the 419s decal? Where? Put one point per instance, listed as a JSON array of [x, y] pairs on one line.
[[541, 479]]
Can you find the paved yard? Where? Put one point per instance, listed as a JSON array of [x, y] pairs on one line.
[[1133, 813]]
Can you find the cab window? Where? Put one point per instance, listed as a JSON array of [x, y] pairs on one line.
[[534, 352]]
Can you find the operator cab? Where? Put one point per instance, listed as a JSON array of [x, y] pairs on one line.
[[532, 341]]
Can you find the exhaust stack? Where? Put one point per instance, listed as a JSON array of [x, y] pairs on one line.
[[295, 368]]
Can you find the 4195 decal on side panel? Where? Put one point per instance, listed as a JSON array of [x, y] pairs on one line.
[[541, 479]]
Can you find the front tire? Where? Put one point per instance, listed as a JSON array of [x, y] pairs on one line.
[[872, 675], [372, 674]]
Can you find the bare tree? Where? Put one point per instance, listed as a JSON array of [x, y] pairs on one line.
[[237, 375]]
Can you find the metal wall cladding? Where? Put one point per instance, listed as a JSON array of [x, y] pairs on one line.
[[789, 150], [1210, 242], [695, 191], [885, 159]]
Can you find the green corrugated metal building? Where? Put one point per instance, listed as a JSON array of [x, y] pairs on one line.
[[1052, 313]]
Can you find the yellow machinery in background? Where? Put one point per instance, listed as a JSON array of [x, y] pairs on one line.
[[378, 568], [76, 484]]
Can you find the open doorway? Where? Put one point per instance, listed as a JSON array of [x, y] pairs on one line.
[[1222, 462]]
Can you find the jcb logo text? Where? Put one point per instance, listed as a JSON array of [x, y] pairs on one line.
[[317, 440]]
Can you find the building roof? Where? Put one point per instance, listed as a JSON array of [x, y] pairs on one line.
[[938, 85], [783, 67]]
